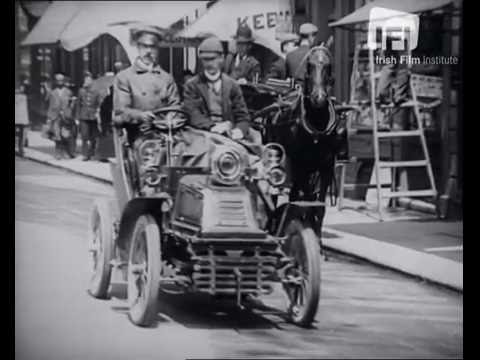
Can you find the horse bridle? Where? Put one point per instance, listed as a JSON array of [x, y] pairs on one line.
[[332, 122], [300, 98]]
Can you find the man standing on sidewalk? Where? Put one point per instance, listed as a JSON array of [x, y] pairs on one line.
[[59, 115], [88, 114]]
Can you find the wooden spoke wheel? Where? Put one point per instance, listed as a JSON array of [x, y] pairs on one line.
[[144, 268], [101, 248], [302, 281]]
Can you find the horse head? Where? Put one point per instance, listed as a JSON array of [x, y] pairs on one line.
[[318, 79]]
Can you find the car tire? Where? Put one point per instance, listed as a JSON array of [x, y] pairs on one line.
[[101, 248], [144, 267], [303, 247]]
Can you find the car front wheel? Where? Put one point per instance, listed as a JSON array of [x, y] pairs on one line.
[[144, 268], [302, 281]]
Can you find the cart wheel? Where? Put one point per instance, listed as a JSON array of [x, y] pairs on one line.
[[303, 278], [101, 248], [144, 271]]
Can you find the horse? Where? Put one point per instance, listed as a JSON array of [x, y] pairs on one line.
[[305, 124]]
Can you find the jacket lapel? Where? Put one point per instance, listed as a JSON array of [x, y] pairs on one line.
[[203, 88], [226, 87]]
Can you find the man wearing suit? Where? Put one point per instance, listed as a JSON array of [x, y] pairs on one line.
[[278, 69], [242, 66], [88, 115], [295, 61], [59, 111], [144, 86], [215, 103], [213, 99]]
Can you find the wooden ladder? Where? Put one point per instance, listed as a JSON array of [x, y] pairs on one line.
[[430, 191]]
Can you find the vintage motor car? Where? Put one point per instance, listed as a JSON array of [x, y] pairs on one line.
[[215, 228]]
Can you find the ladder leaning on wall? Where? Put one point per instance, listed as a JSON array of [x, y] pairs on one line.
[[417, 106]]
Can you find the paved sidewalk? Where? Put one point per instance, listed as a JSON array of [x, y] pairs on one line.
[[42, 150], [409, 241]]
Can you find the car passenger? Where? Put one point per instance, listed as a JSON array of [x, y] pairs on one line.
[[213, 99]]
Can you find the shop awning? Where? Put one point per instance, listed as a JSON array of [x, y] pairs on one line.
[[35, 8], [53, 22], [222, 19], [362, 14], [109, 17]]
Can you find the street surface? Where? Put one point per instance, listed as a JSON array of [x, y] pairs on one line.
[[365, 311]]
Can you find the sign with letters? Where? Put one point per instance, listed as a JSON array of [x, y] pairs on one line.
[[263, 17]]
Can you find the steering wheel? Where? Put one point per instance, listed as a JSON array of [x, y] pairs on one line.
[[166, 119]]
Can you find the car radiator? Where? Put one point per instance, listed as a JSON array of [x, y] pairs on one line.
[[229, 268]]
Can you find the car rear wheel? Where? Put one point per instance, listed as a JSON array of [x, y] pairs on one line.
[[302, 281], [144, 268], [101, 248]]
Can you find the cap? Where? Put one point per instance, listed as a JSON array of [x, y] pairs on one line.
[[210, 48], [87, 74], [244, 34], [287, 37], [307, 29], [59, 77], [141, 29]]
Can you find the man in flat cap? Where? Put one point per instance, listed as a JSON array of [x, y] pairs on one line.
[[215, 103], [87, 114], [213, 99], [242, 66], [59, 112], [288, 43], [296, 65], [144, 86]]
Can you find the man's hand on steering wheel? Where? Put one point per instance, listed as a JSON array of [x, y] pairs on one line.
[[146, 116]]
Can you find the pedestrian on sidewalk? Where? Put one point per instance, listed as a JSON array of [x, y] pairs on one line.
[[59, 116], [88, 115]]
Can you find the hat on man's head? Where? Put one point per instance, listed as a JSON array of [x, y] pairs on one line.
[[287, 37], [141, 29], [210, 48], [59, 77], [307, 29], [244, 34], [87, 73]]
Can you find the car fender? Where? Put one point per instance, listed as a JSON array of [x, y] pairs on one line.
[[288, 211], [132, 210]]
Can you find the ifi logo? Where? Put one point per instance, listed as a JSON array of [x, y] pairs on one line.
[[398, 28]]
